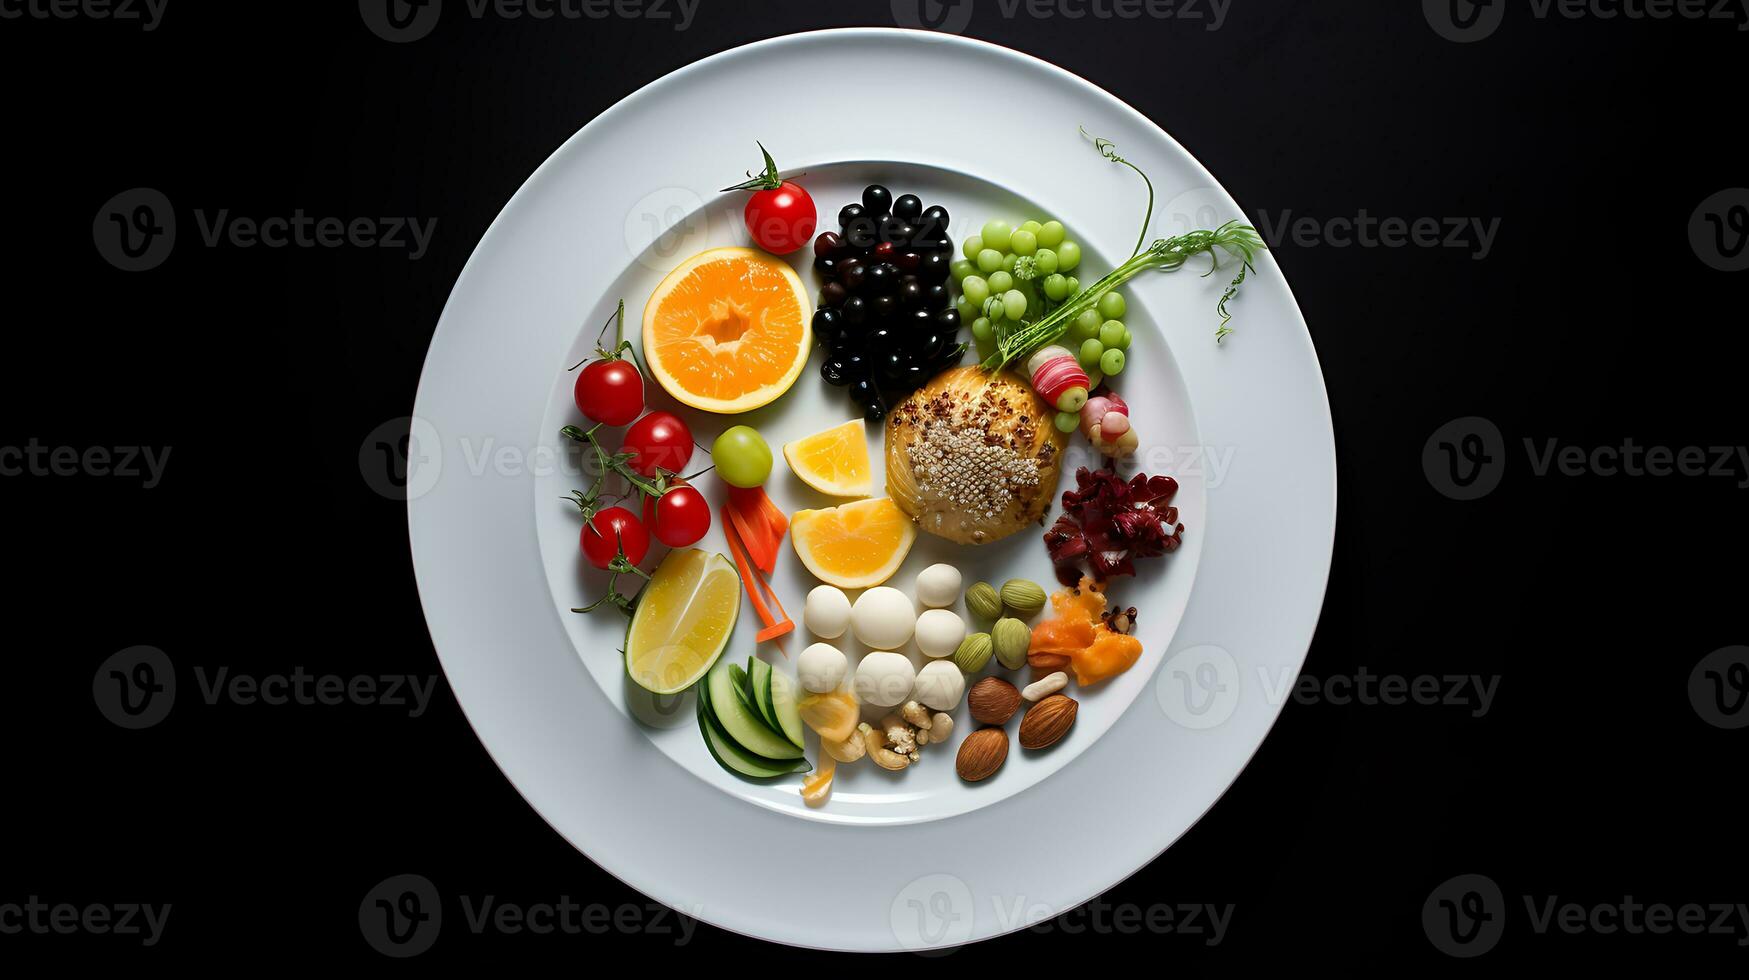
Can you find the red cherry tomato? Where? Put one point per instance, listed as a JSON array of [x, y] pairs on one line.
[[661, 441], [679, 517], [610, 392], [783, 219], [612, 530]]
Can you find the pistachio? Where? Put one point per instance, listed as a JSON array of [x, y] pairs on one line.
[[983, 602], [973, 654], [1011, 638], [1025, 598]]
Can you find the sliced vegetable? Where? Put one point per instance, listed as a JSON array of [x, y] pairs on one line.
[[775, 626]]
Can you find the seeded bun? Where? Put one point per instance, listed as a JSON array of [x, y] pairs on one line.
[[973, 456]]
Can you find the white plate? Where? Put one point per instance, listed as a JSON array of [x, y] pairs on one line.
[[893, 862]]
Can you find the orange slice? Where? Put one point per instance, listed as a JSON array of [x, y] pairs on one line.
[[728, 330], [833, 462], [854, 545]]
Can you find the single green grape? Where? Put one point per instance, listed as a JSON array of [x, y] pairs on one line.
[[1056, 287], [1086, 326], [1030, 225], [1112, 306], [968, 309], [1111, 362], [1091, 351], [1045, 261], [961, 269], [972, 246], [1068, 421], [1095, 378], [1051, 234], [1125, 343], [989, 260], [976, 289], [742, 457], [1068, 256], [1072, 400], [993, 309], [1001, 282], [996, 233], [1074, 284], [1014, 304], [1008, 262], [1023, 242], [983, 330], [1111, 334]]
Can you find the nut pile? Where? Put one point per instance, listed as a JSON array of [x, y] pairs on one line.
[[994, 700]]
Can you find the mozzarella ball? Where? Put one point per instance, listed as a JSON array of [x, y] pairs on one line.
[[940, 685], [939, 632], [827, 612], [821, 668], [938, 586], [884, 679], [884, 618]]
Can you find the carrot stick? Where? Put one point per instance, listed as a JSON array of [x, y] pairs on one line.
[[754, 502], [757, 537], [753, 581]]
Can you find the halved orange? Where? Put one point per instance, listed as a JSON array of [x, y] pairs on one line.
[[854, 545], [728, 330], [833, 462]]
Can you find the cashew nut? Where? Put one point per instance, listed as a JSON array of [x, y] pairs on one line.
[[916, 714], [1045, 686], [884, 757], [849, 750]]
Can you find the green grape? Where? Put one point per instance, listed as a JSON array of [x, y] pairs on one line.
[[961, 269], [1056, 287], [1051, 234], [1125, 343], [968, 309], [1031, 226], [1094, 378], [1023, 242], [1001, 282], [976, 289], [1091, 351], [1014, 304], [972, 246], [996, 233], [1074, 285], [1112, 306], [993, 308], [1008, 262], [1068, 256], [989, 260], [1068, 421], [1111, 362], [983, 330], [1086, 326], [1045, 261], [1111, 335]]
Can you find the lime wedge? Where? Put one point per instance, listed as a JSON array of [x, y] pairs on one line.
[[683, 621]]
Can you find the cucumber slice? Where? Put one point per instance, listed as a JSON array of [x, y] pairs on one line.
[[783, 705], [738, 722], [759, 673], [743, 688], [733, 757]]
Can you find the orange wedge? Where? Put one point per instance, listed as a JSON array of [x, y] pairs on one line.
[[728, 330], [833, 462], [854, 545]]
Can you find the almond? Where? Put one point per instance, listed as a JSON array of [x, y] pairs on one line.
[[981, 754], [1047, 721], [993, 701]]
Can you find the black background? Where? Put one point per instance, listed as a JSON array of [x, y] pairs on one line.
[[1591, 598]]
